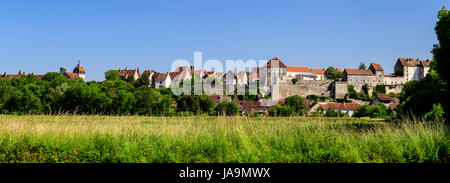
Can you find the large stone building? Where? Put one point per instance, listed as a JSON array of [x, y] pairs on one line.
[[275, 70], [412, 68], [406, 69]]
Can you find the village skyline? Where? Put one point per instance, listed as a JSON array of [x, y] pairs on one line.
[[42, 36]]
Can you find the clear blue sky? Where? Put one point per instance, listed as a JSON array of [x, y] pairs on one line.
[[41, 36]]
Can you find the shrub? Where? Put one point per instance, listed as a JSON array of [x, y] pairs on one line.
[[226, 108], [435, 114], [281, 110]]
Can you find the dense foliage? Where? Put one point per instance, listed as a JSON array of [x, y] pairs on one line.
[[55, 94], [333, 74], [429, 97], [352, 93], [226, 109], [293, 106]]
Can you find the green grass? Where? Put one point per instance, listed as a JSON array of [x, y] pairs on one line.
[[83, 139]]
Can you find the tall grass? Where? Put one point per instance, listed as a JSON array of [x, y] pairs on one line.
[[83, 139]]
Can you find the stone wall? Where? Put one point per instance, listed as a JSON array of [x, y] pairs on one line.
[[306, 87], [339, 89], [394, 88]]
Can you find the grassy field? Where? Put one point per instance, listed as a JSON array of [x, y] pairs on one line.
[[80, 139]]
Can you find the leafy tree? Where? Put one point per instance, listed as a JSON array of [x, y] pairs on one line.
[[112, 75], [296, 103], [435, 114], [226, 108], [362, 65], [294, 81], [62, 70], [333, 74], [281, 110], [379, 89], [54, 79], [441, 55], [418, 96]]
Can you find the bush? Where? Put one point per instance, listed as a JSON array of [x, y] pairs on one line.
[[379, 89], [435, 114], [373, 111], [281, 110], [296, 103], [226, 108]]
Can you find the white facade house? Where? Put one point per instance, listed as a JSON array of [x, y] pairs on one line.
[[412, 68], [163, 80]]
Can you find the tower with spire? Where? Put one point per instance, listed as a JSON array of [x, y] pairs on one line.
[[79, 70]]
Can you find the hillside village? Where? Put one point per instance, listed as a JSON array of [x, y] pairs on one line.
[[319, 92]]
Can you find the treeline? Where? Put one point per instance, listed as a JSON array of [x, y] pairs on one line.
[[55, 94]]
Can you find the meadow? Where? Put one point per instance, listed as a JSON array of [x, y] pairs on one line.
[[201, 139]]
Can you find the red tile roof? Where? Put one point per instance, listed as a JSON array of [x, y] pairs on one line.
[[161, 77], [275, 61], [343, 106], [339, 70], [79, 68], [297, 69], [413, 62], [71, 75], [219, 98], [384, 97], [376, 67], [255, 105], [358, 72], [318, 71], [20, 75]]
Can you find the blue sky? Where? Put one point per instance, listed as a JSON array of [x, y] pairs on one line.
[[41, 36]]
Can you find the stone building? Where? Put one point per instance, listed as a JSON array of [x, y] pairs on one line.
[[273, 69], [412, 68]]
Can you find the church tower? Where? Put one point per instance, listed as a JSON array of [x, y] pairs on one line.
[[79, 70]]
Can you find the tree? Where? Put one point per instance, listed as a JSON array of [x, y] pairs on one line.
[[441, 54], [112, 75], [362, 65], [146, 101], [226, 108], [281, 111], [379, 89], [294, 81], [435, 114], [332, 73], [296, 103], [62, 70]]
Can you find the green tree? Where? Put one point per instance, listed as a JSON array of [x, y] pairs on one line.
[[226, 108], [435, 114], [62, 70], [379, 89], [296, 103], [362, 65], [112, 75], [333, 74], [441, 55]]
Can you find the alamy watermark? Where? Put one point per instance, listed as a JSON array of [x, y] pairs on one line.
[[237, 77]]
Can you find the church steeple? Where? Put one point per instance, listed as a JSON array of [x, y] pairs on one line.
[[79, 70]]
